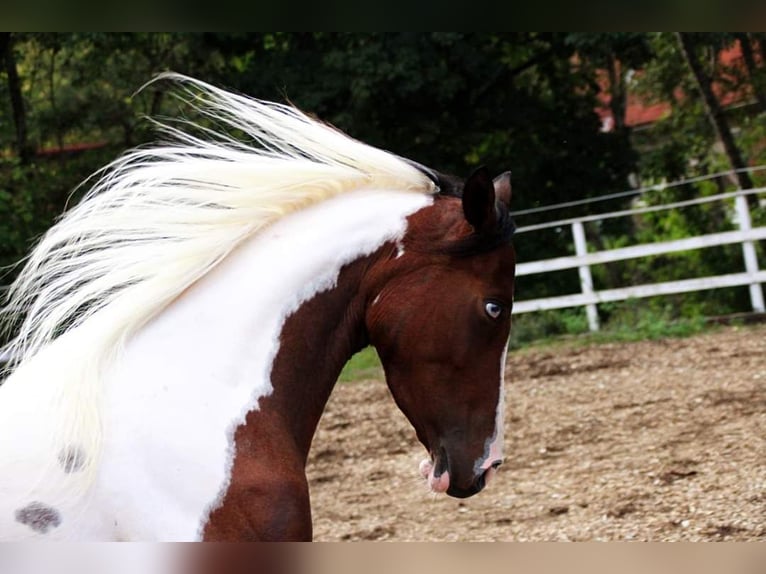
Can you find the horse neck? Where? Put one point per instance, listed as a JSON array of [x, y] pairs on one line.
[[315, 343], [270, 327], [326, 327]]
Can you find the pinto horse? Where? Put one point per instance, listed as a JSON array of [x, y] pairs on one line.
[[183, 326]]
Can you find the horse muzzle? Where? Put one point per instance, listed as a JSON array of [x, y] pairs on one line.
[[437, 474]]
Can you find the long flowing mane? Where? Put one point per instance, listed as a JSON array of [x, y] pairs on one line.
[[161, 217], [156, 221]]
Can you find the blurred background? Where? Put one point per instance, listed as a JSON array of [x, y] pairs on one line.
[[599, 122]]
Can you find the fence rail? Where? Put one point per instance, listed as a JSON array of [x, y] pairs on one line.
[[589, 297]]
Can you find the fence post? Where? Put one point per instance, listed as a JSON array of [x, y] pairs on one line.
[[586, 280], [748, 250]]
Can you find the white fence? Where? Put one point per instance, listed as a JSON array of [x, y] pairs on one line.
[[589, 297]]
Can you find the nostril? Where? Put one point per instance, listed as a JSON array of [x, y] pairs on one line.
[[496, 464]]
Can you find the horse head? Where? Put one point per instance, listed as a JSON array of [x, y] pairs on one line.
[[440, 317]]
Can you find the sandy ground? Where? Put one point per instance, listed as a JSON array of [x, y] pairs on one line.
[[651, 441]]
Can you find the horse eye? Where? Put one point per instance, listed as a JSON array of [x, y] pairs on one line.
[[493, 309]]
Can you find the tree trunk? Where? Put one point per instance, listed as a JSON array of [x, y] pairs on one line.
[[17, 100], [755, 74], [618, 99], [714, 111], [52, 97]]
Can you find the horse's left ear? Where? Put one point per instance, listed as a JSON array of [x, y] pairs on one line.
[[502, 185], [479, 200]]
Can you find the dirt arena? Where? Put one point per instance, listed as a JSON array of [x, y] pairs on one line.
[[655, 441]]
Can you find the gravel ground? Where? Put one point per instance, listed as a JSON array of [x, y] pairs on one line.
[[657, 441]]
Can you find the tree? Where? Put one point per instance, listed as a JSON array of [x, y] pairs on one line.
[[688, 44], [23, 148]]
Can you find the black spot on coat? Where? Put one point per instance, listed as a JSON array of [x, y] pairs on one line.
[[39, 517]]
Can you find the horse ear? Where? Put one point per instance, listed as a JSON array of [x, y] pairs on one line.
[[479, 200], [502, 185]]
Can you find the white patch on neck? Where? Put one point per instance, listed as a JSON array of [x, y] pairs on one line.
[[189, 378], [399, 249]]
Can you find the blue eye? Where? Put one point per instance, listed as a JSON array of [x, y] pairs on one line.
[[493, 310]]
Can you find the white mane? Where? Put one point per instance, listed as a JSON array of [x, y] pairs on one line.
[[160, 218], [156, 221]]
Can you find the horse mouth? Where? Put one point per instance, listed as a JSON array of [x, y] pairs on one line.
[[438, 478], [476, 487]]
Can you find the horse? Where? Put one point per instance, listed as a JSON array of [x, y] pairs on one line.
[[182, 327]]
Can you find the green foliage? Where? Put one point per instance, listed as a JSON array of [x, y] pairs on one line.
[[32, 196], [682, 144], [635, 320], [630, 320], [752, 138], [363, 365], [531, 327], [83, 86]]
